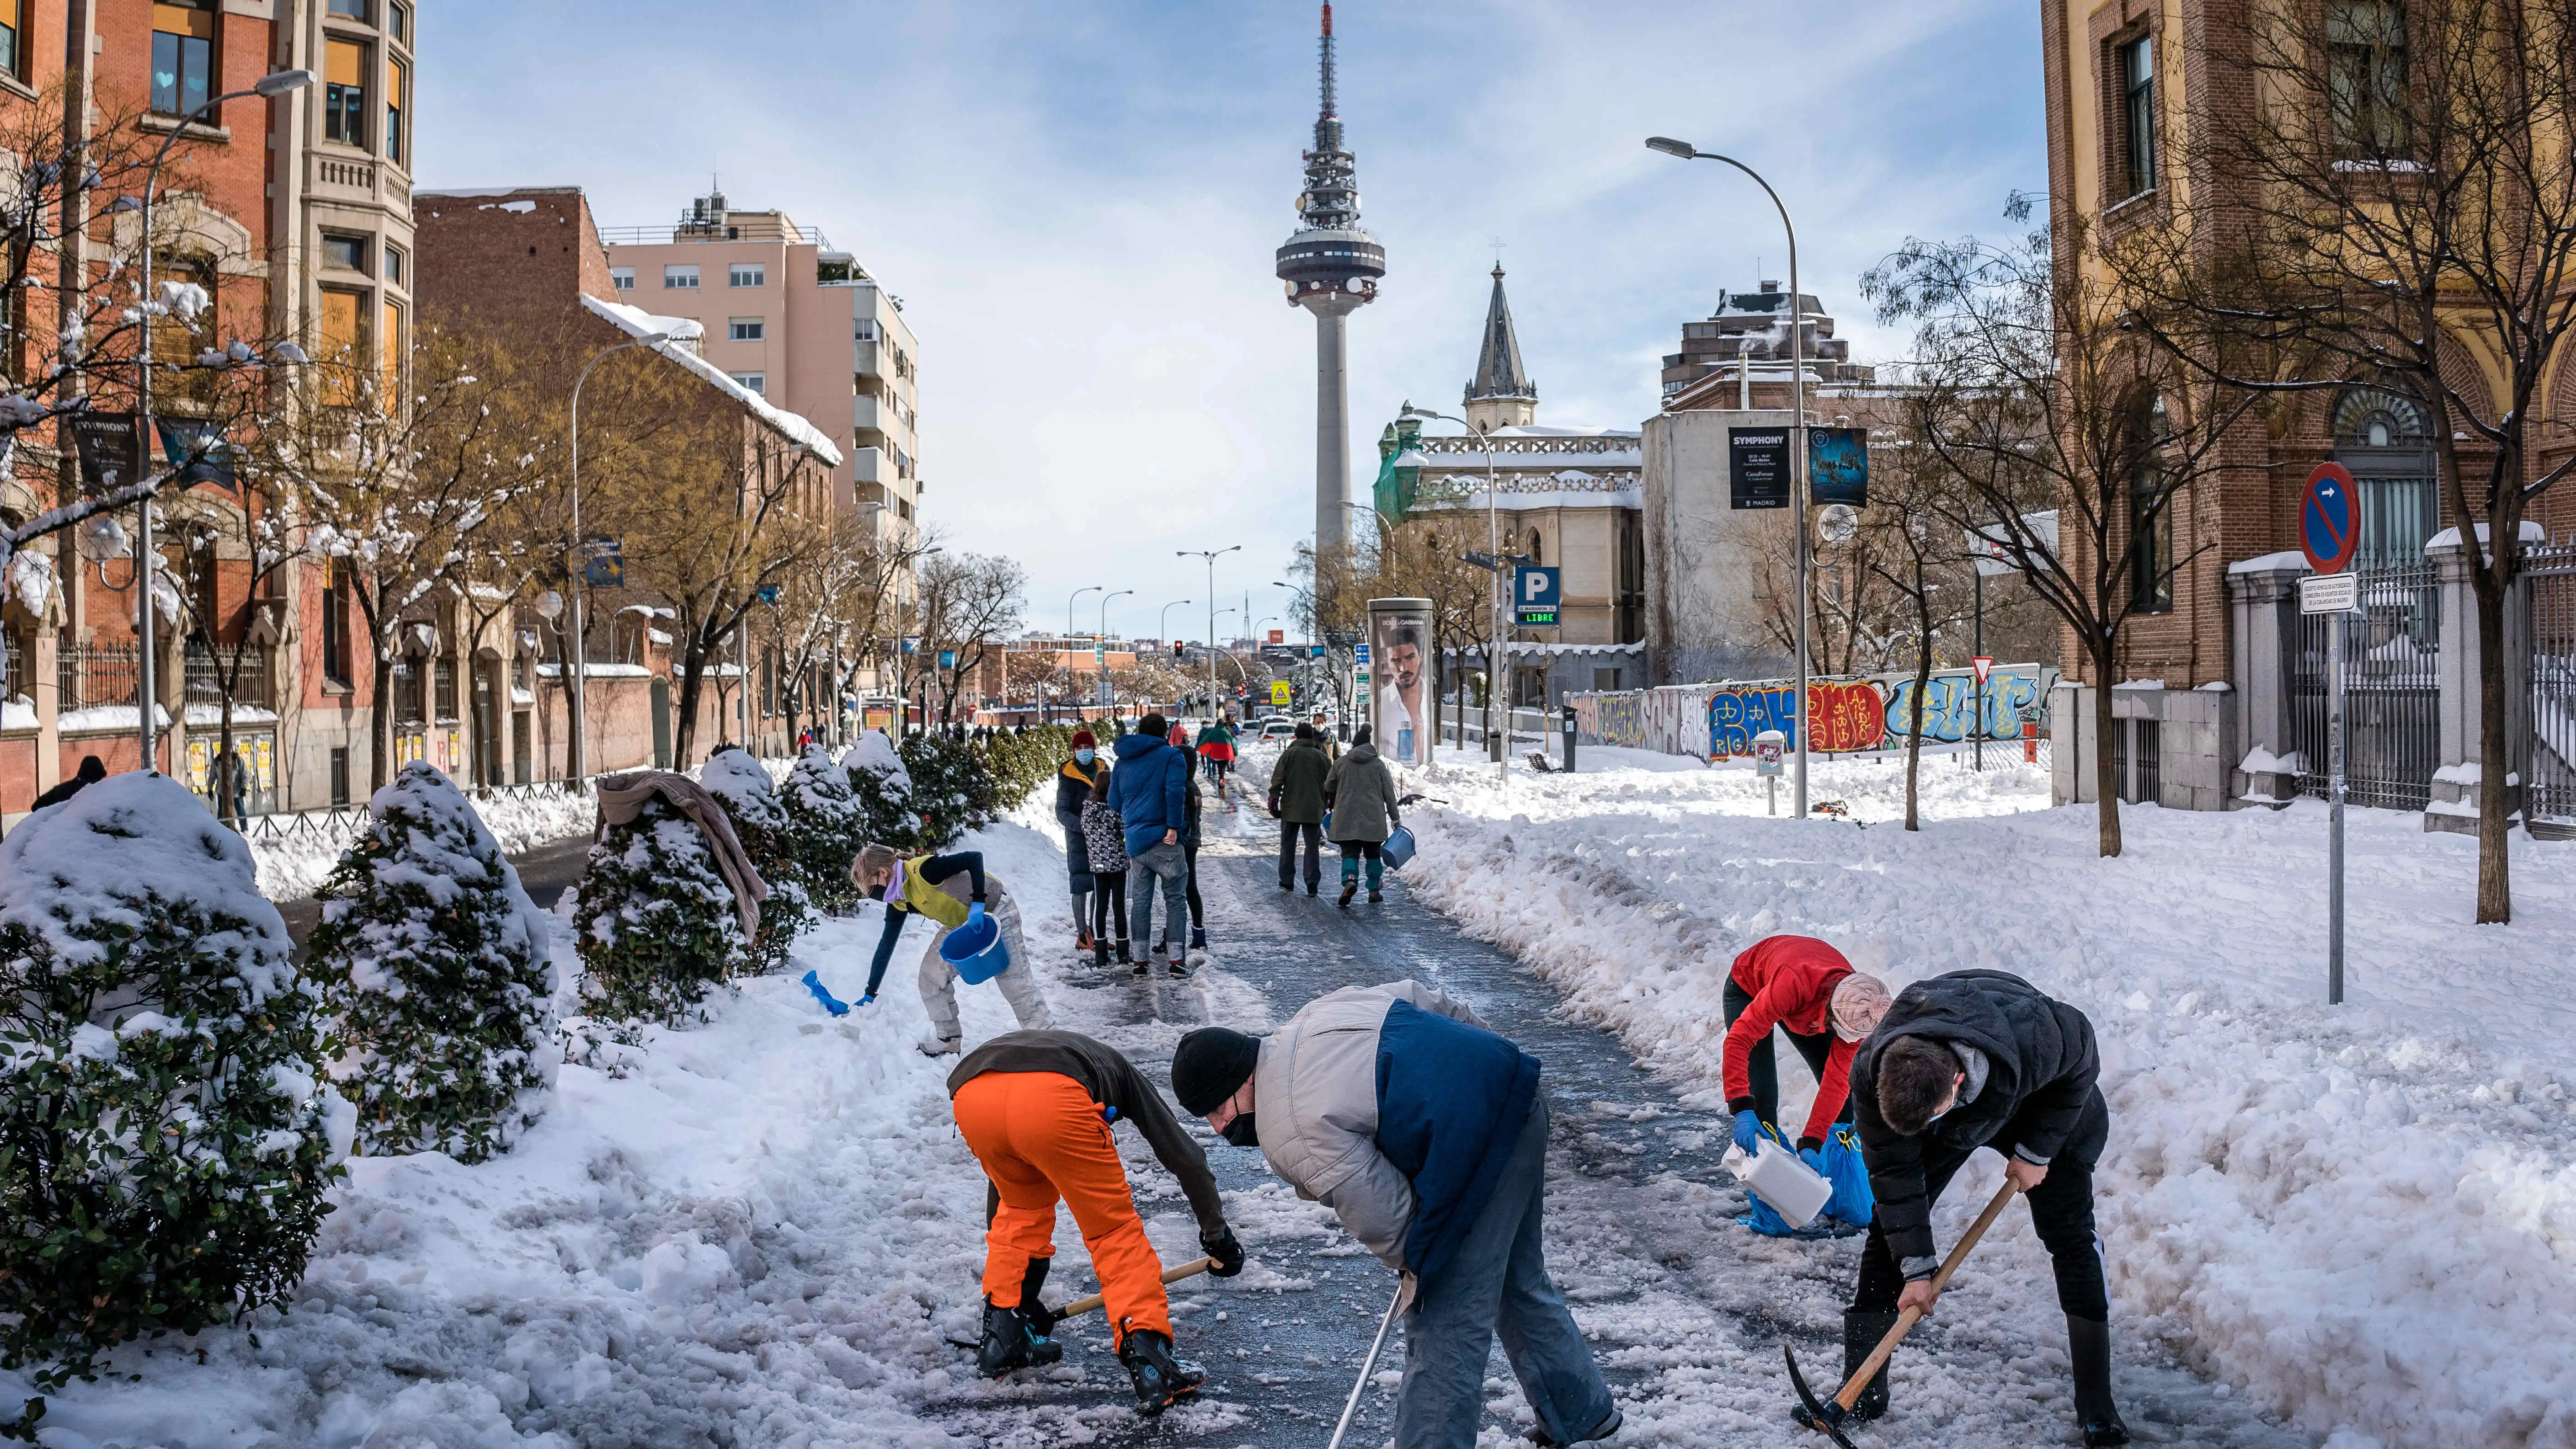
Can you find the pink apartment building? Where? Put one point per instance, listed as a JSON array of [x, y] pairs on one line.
[[800, 323]]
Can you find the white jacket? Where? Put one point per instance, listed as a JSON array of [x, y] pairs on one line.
[[1315, 1097]]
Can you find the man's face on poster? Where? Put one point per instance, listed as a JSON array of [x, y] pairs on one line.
[[1404, 663]]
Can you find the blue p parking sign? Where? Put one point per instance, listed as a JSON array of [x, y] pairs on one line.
[[1534, 594]]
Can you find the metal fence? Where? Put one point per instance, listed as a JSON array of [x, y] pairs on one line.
[[207, 668], [2392, 691], [2549, 774], [93, 676]]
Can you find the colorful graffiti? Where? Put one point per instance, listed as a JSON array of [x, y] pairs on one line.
[[1950, 709], [1618, 719], [1848, 715]]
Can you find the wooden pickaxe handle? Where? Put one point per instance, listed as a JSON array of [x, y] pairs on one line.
[[1170, 1275], [1905, 1321]]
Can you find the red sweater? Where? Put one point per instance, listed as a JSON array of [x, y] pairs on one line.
[[1791, 980]]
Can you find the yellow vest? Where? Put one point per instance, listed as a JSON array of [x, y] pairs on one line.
[[930, 900]]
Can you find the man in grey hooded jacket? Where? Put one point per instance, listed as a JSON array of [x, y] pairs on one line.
[[1426, 1135]]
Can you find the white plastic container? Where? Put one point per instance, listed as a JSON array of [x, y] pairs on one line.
[[1794, 1190]]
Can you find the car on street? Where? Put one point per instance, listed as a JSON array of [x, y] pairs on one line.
[[1278, 728]]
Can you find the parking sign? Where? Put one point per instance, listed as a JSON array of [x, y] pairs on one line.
[[1534, 592]]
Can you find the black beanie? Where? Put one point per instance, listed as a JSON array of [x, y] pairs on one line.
[[1209, 1066]]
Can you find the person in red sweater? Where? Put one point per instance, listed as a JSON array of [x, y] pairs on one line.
[[1804, 985]]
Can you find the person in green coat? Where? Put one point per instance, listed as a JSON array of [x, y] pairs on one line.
[[1360, 791], [1297, 803]]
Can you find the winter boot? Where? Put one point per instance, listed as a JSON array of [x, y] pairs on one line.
[[1603, 1430], [1861, 1334], [1198, 938], [1017, 1337], [2088, 1348], [946, 1046], [1159, 1378], [1126, 957], [1099, 953]]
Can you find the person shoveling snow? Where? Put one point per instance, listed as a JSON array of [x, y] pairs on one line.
[[1806, 988], [929, 885], [1036, 1108], [1981, 1059]]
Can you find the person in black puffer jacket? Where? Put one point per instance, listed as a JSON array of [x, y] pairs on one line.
[[1982, 1059], [1075, 784]]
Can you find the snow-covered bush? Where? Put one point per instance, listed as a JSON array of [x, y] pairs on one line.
[[953, 788], [826, 826], [883, 788], [1023, 762], [741, 784], [435, 974], [165, 1134], [655, 923]]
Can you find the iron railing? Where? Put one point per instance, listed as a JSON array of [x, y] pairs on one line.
[[2392, 691], [2549, 771], [206, 668], [95, 676]]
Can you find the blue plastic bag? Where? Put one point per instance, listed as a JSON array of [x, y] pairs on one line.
[[1852, 1201]]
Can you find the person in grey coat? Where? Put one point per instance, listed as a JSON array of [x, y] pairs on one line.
[[1297, 803], [1360, 791], [1426, 1134]]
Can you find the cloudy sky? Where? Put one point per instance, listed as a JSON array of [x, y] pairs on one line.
[[1078, 203]]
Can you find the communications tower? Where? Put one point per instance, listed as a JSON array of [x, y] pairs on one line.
[[1331, 268]]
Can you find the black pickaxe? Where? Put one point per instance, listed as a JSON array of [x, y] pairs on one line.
[[1826, 1418]]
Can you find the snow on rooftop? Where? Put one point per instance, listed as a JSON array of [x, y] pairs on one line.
[[637, 323]]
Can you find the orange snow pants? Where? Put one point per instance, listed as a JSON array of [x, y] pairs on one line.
[[1040, 1137]]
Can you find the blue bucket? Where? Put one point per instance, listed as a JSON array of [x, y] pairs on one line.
[[1397, 849], [977, 956]]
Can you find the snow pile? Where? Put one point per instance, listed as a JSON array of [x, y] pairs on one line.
[[2365, 1215], [875, 754], [294, 864]]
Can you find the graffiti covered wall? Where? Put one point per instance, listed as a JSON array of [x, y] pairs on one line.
[[1719, 721]]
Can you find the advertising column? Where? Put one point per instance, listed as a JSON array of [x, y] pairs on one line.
[[1399, 701]]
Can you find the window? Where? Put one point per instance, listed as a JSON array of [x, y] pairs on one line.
[[680, 278], [340, 775], [749, 274], [622, 278], [335, 625], [343, 344], [396, 340], [865, 330], [398, 21], [344, 92], [1605, 679], [443, 688], [2151, 511], [344, 251], [2366, 77], [394, 265], [2385, 440], [2138, 112], [746, 329], [178, 338], [11, 17], [397, 95], [757, 383], [353, 9], [183, 57]]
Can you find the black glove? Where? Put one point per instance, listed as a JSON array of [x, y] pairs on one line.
[[1227, 1252]]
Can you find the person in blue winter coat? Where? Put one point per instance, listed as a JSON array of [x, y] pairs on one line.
[[1151, 788], [1426, 1134]]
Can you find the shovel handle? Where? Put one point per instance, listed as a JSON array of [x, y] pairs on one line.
[[1170, 1275], [1905, 1321]]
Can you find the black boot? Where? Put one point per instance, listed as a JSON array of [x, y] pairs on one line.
[[2088, 1348], [1018, 1337], [1159, 1378], [1861, 1334], [1350, 888]]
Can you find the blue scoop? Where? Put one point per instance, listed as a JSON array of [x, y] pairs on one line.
[[976, 952]]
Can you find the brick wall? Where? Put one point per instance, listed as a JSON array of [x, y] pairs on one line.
[[523, 253]]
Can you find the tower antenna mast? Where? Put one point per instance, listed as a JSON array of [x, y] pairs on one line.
[[1331, 268]]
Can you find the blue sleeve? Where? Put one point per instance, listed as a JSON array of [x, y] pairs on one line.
[[894, 919], [1176, 790], [937, 868]]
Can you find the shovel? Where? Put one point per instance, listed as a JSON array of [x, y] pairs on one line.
[[1826, 1418], [1403, 1296], [1170, 1275]]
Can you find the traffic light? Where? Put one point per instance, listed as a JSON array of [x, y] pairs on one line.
[[1176, 649]]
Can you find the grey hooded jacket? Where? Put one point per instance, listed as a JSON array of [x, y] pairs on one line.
[[1361, 791], [1315, 1097]]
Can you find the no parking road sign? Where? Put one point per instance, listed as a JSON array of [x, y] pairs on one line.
[[2329, 520]]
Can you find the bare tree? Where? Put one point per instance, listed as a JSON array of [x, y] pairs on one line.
[[969, 603]]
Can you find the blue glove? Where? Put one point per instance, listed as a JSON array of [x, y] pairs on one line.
[[975, 916], [868, 1000], [1748, 1129], [1814, 1157]]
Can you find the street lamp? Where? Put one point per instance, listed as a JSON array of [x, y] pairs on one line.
[[578, 736], [267, 87], [1797, 431], [1495, 660], [1211, 555], [1163, 624], [1069, 630], [1100, 642]]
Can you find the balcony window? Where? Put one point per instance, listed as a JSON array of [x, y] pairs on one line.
[[865, 329], [183, 57], [746, 329], [749, 274], [343, 356], [349, 252], [357, 10], [394, 265], [344, 93], [398, 21], [622, 278], [397, 96], [680, 278]]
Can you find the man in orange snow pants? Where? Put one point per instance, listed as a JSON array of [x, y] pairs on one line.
[[1036, 1108]]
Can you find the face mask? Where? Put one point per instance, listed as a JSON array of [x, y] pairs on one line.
[[1240, 1131], [1086, 756]]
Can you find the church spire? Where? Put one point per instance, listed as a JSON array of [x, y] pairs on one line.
[[1502, 394]]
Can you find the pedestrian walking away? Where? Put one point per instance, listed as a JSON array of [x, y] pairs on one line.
[[1216, 746], [1806, 988], [1192, 804], [952, 890], [1297, 803], [1360, 793], [92, 770], [1104, 838], [1150, 787], [1426, 1134], [1036, 1108], [1075, 784], [1982, 1059]]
